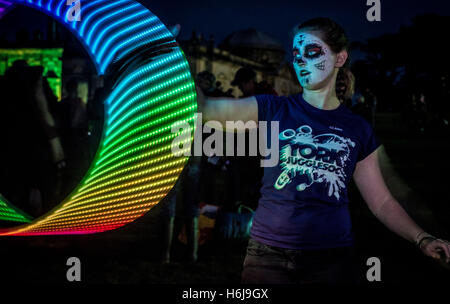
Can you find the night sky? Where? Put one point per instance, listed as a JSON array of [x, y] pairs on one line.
[[278, 17]]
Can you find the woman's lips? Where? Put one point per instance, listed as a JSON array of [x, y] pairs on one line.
[[304, 73]]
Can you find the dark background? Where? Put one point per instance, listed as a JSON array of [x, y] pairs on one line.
[[220, 18]]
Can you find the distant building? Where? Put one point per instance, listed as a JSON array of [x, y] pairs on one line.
[[55, 49], [49, 58], [63, 58], [249, 47]]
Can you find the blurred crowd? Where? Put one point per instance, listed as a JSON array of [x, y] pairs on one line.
[[421, 119], [417, 116], [228, 182], [47, 145]]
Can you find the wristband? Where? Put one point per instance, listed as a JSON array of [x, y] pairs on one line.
[[417, 237], [428, 237]]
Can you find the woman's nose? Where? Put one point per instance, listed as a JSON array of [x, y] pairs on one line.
[[299, 60]]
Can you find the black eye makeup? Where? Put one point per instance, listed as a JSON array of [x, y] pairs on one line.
[[313, 51], [297, 57]]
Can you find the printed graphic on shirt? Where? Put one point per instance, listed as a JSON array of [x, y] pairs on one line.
[[320, 158]]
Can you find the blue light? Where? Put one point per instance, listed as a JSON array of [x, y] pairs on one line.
[[133, 88], [59, 8], [85, 8], [49, 5], [120, 33], [96, 12], [99, 22], [66, 16], [126, 82], [130, 40], [123, 95], [115, 25], [143, 42]]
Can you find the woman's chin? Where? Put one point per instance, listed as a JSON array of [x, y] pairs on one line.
[[307, 85]]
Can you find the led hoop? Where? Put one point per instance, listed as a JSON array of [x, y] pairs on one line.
[[134, 167]]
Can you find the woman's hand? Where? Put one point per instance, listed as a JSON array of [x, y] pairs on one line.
[[437, 249]]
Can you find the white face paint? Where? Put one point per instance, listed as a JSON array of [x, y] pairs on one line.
[[313, 60]]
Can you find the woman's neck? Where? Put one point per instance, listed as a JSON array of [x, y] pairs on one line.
[[324, 98]]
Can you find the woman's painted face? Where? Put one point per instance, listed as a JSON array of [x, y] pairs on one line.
[[313, 60]]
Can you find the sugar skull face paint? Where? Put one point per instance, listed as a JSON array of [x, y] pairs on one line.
[[313, 59]]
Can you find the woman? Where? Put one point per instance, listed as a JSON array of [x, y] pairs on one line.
[[301, 230]]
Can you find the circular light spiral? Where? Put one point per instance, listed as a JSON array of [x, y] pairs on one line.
[[134, 167]]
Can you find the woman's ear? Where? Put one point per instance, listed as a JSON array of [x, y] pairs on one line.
[[341, 58]]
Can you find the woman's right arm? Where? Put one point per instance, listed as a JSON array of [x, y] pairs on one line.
[[225, 109]]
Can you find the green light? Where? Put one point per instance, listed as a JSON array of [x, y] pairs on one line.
[[50, 59], [10, 214]]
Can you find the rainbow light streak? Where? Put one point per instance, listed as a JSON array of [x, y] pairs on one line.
[[134, 167]]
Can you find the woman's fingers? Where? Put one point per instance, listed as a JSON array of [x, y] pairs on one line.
[[444, 245], [438, 247], [434, 254]]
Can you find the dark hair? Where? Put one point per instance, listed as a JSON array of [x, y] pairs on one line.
[[335, 37]]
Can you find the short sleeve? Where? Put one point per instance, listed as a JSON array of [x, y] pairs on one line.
[[268, 105], [370, 141]]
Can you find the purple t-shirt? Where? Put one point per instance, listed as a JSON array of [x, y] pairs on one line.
[[304, 202]]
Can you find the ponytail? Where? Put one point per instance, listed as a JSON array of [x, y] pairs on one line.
[[345, 83]]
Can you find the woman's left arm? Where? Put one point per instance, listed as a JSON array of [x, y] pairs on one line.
[[369, 180]]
